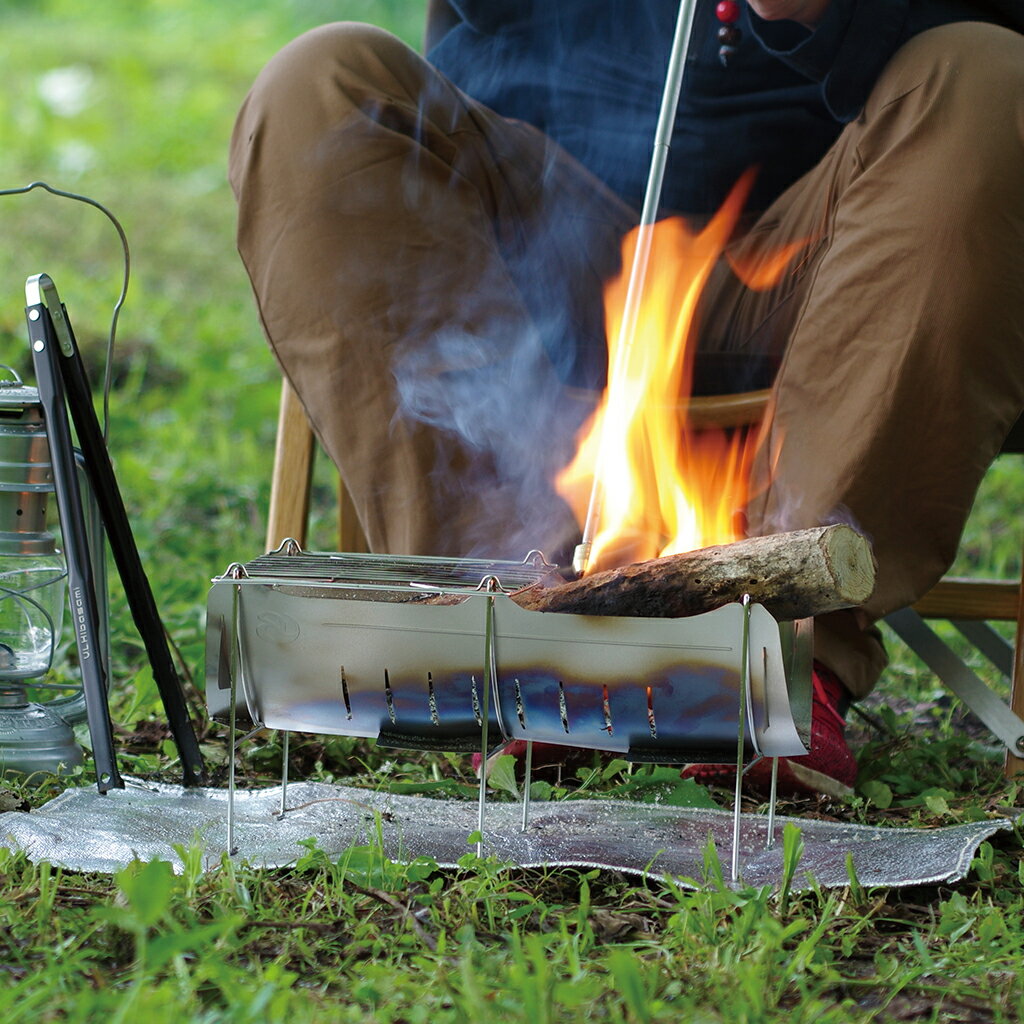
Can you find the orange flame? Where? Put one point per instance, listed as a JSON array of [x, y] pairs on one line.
[[664, 487]]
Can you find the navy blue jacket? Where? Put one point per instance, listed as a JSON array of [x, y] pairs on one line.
[[590, 74]]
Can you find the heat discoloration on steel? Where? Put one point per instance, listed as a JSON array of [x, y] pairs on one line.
[[322, 654]]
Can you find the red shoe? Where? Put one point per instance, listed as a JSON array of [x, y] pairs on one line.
[[829, 769]]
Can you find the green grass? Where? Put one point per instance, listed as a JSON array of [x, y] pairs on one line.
[[193, 418]]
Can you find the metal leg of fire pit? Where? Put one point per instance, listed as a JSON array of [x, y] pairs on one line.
[[234, 667], [737, 819], [490, 675], [771, 804], [232, 849], [527, 779], [482, 792], [284, 773]]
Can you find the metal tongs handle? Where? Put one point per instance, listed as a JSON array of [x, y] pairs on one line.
[[48, 332], [64, 387]]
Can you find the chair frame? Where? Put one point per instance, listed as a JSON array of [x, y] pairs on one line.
[[292, 480]]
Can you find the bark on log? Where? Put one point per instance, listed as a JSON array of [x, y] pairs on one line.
[[794, 575]]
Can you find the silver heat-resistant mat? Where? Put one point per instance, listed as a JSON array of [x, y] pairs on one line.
[[82, 830]]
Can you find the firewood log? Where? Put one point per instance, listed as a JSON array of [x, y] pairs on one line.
[[794, 575]]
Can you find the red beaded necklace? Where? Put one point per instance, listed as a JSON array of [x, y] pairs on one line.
[[729, 33]]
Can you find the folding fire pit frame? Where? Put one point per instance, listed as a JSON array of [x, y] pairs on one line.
[[432, 653]]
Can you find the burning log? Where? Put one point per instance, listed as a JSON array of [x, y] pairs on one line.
[[794, 575]]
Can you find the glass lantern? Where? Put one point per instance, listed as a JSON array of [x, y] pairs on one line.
[[33, 589], [32, 571]]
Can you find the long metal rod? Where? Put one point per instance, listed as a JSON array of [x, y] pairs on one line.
[[737, 817], [641, 257], [235, 668], [490, 664]]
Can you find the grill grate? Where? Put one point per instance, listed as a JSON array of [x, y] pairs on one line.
[[391, 571]]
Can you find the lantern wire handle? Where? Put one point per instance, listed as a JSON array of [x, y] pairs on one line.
[[108, 373]]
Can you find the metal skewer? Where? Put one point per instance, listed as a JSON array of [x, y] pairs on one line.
[[641, 258]]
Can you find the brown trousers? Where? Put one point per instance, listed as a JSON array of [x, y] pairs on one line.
[[418, 259]]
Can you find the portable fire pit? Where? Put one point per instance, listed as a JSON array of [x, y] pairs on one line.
[[410, 651], [436, 654]]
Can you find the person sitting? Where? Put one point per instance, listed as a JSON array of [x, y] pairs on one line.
[[428, 239]]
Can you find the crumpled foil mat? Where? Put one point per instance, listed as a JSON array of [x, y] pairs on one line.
[[82, 830]]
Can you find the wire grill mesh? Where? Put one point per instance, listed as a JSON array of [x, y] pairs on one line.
[[393, 571]]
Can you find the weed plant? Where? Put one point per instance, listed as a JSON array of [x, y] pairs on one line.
[[131, 102]]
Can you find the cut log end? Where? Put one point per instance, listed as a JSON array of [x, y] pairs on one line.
[[850, 562]]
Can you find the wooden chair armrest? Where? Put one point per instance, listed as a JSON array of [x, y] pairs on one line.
[[292, 474], [705, 411]]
